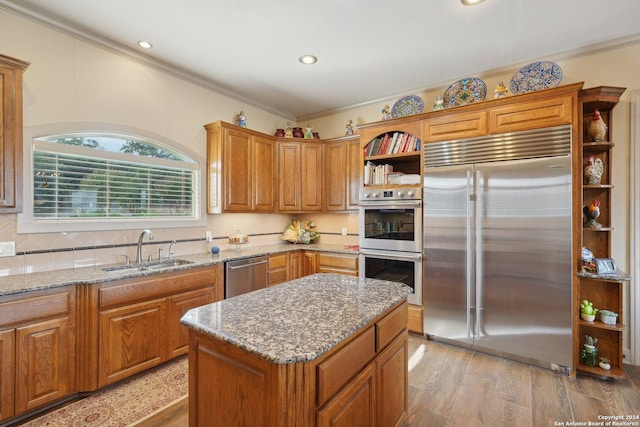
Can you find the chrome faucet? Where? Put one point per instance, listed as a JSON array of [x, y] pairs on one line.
[[139, 252]]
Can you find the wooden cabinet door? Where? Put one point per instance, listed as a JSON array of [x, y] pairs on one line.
[[335, 189], [45, 363], [7, 373], [264, 174], [289, 176], [177, 306], [11, 71], [354, 406], [392, 382], [295, 265], [353, 174], [309, 263], [132, 339], [237, 171], [311, 176]]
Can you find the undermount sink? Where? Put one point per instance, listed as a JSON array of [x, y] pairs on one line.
[[148, 266]]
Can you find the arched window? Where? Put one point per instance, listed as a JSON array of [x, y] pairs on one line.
[[96, 178]]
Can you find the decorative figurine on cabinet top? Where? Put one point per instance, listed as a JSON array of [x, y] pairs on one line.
[[308, 132], [386, 113], [591, 212], [241, 119], [593, 170], [597, 129], [289, 132], [349, 128], [500, 91], [438, 104]]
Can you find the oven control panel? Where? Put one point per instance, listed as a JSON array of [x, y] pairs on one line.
[[404, 193]]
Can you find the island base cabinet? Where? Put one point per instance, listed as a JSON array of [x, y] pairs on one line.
[[229, 386]]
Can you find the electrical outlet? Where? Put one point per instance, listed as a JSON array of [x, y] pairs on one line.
[[7, 249], [344, 231], [208, 236]]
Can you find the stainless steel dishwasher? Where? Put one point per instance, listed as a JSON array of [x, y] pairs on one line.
[[245, 275]]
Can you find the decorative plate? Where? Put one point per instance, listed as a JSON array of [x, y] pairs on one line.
[[407, 105], [464, 91], [536, 76]]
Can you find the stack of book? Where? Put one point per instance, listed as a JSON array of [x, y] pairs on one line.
[[376, 174], [392, 143]]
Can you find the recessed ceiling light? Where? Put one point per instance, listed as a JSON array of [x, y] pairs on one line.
[[471, 2], [144, 44], [308, 59]]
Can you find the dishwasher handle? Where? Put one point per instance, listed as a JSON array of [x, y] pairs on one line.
[[249, 264]]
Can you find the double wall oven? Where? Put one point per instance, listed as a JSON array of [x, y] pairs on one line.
[[391, 236]]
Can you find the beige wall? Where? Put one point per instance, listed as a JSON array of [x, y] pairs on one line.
[[70, 80]]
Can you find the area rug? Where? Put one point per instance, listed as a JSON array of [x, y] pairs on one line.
[[126, 403]]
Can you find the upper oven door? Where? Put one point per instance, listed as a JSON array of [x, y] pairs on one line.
[[392, 225]]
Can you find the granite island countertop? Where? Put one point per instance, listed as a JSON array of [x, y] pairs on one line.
[[20, 283], [299, 320]]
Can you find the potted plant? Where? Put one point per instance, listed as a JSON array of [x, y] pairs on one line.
[[608, 317], [587, 311], [589, 354], [604, 363]]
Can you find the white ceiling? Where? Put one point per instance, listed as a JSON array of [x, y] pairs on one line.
[[367, 49]]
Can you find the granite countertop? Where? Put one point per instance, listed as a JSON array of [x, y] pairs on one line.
[[300, 320], [89, 275]]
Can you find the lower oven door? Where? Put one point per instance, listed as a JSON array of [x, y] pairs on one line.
[[404, 267]]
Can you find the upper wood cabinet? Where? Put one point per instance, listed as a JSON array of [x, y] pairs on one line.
[[342, 173], [11, 71], [240, 169], [300, 172]]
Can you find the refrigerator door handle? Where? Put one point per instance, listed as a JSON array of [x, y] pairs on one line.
[[479, 215], [469, 256]]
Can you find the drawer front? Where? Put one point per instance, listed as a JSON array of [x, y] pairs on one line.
[[277, 261], [530, 115], [458, 126], [349, 262], [278, 276], [30, 309], [391, 325], [155, 286], [338, 370]]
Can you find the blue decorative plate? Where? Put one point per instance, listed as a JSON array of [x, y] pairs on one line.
[[407, 105], [464, 91], [536, 76]]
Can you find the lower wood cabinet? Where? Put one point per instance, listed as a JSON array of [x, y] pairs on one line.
[[37, 349], [138, 321], [278, 271]]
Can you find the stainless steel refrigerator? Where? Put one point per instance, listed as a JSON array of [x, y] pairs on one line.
[[497, 245]]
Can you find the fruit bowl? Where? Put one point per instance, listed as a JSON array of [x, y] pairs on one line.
[[588, 317]]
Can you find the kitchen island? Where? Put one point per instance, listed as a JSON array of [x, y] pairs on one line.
[[326, 350]]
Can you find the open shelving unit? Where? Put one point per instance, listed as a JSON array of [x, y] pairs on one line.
[[604, 291]]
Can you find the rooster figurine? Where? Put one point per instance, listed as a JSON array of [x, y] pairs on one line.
[[593, 170], [591, 212], [597, 129]]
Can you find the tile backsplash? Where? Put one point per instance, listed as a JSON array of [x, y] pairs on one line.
[[56, 251]]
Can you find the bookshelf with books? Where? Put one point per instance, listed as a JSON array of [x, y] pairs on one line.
[[391, 154]]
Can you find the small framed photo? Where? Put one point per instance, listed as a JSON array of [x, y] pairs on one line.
[[605, 266]]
